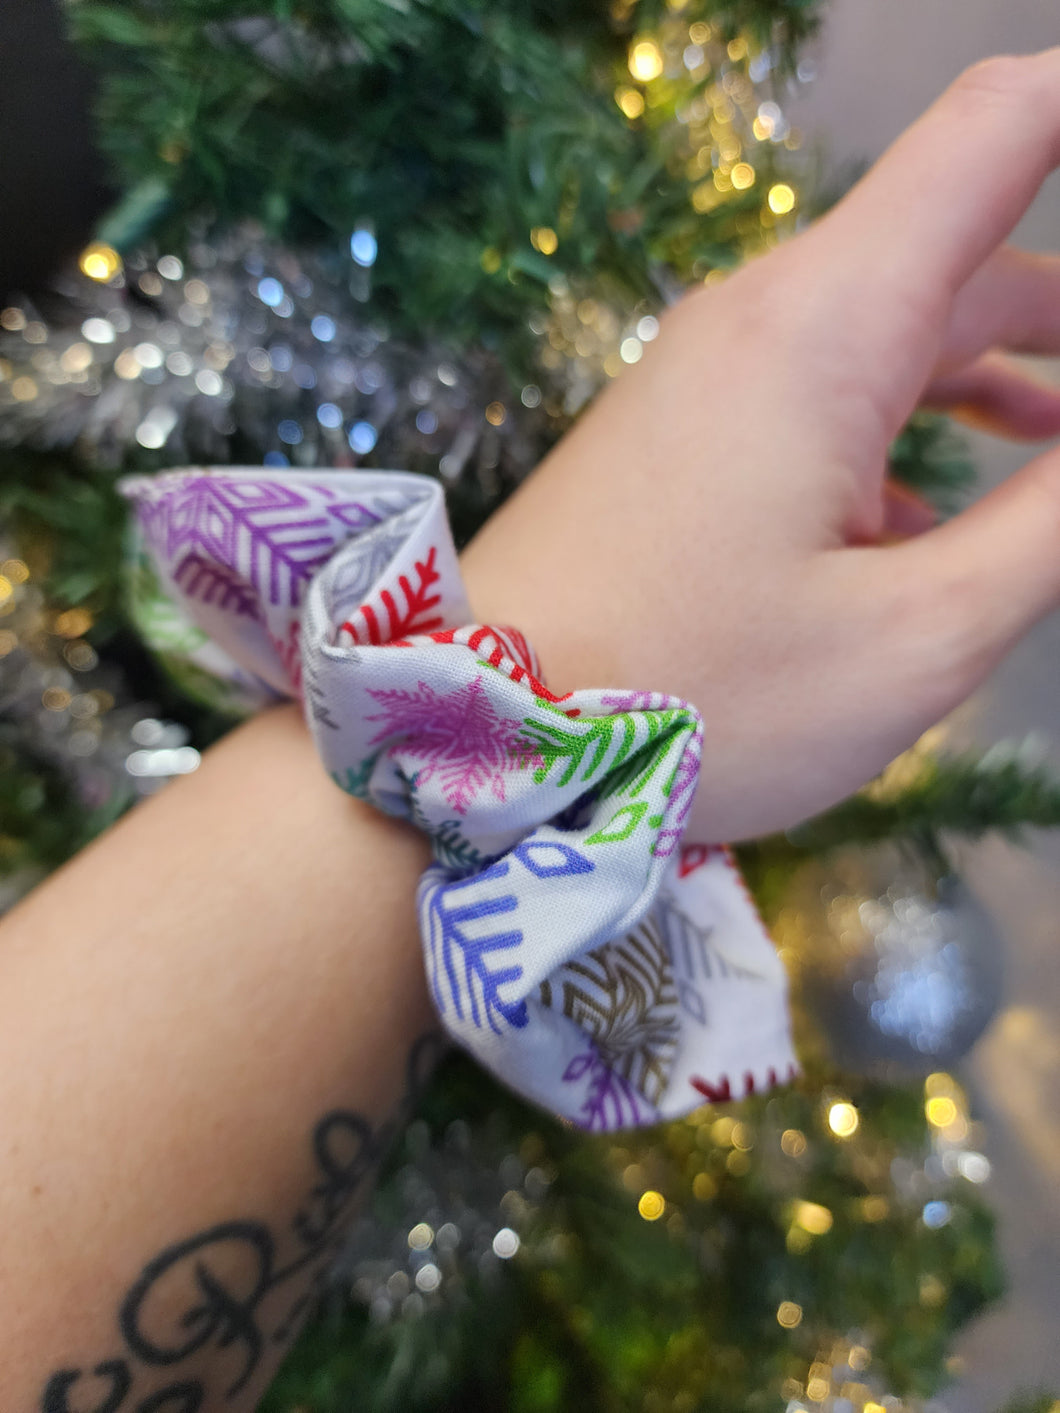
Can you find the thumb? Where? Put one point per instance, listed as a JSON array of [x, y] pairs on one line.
[[984, 578]]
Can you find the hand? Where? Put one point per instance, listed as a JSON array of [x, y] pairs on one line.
[[720, 526]]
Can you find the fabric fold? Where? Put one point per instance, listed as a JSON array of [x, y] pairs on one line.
[[574, 940]]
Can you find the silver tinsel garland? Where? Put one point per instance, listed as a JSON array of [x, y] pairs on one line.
[[248, 351]]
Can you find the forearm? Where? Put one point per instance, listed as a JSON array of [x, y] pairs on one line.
[[206, 1024]]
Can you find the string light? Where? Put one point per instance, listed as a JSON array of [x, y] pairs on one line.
[[843, 1119], [651, 1205], [793, 1142], [420, 1237], [630, 101], [704, 1187], [73, 623], [781, 199], [812, 1217], [100, 262], [645, 60], [721, 1131], [941, 1111], [544, 239]]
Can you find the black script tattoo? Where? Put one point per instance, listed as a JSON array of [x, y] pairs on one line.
[[219, 1289], [59, 1385]]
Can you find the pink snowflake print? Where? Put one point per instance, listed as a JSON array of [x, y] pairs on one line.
[[455, 738]]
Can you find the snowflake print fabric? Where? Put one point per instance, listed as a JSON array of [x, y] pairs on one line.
[[574, 940]]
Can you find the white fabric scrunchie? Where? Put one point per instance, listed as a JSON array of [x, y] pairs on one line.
[[574, 941]]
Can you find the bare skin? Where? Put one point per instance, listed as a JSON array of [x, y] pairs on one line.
[[206, 1020]]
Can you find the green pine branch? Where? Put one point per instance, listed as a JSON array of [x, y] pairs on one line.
[[70, 525], [932, 458], [968, 795], [42, 823], [455, 126]]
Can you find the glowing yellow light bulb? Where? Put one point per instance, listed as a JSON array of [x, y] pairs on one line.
[[743, 176], [545, 239], [793, 1142], [645, 60], [781, 199], [703, 1187], [630, 101], [941, 1111], [742, 1137], [72, 622], [789, 1315], [651, 1206], [814, 1218], [843, 1119], [721, 1131], [99, 262]]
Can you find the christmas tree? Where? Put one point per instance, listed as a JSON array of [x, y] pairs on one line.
[[423, 234]]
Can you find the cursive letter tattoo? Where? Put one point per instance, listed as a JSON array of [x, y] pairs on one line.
[[223, 1296]]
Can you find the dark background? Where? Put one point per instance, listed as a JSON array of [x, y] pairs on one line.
[[52, 184]]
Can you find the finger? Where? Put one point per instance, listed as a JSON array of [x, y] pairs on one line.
[[973, 586], [997, 395], [905, 512], [954, 185], [1012, 302], [904, 241]]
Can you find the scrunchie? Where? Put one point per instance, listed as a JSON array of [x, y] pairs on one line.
[[574, 941]]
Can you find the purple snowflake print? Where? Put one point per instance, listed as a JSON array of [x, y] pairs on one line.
[[611, 1101], [682, 793], [270, 536], [638, 701], [454, 738]]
